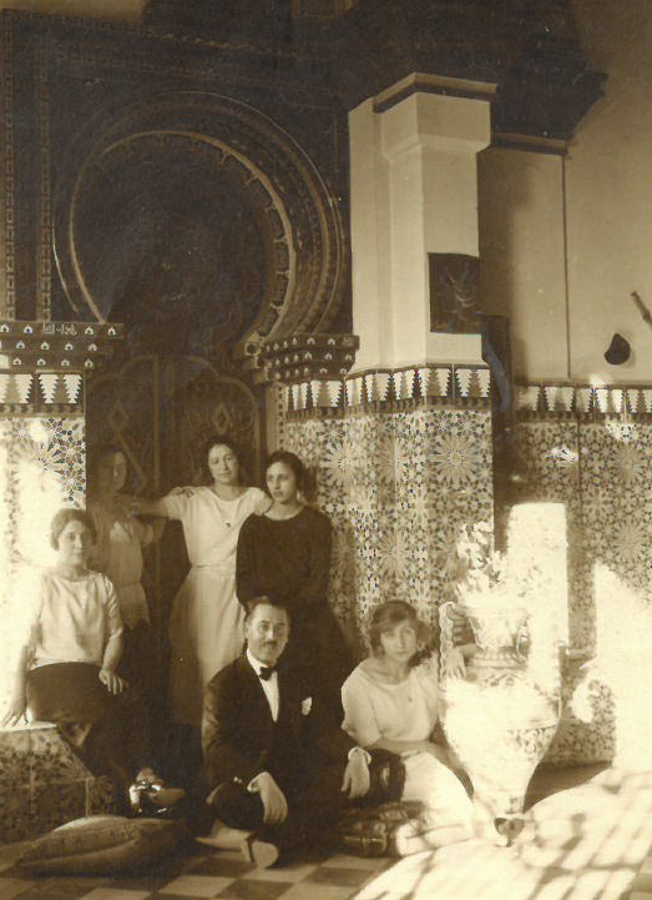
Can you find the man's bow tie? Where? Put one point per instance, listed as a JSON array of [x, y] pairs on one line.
[[266, 672]]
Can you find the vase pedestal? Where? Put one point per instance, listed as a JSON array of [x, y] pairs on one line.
[[498, 753]]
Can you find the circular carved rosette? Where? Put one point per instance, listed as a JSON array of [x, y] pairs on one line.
[[194, 204]]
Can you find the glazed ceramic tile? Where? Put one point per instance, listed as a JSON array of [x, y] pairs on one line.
[[51, 759]]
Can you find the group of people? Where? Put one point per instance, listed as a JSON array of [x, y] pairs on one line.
[[259, 671]]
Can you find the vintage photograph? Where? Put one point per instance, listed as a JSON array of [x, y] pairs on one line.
[[325, 449]]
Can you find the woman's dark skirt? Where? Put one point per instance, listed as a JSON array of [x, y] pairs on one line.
[[317, 652], [104, 730], [67, 692]]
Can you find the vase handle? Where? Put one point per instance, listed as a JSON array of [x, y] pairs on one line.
[[446, 635]]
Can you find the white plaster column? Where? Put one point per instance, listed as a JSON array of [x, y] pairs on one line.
[[413, 192]]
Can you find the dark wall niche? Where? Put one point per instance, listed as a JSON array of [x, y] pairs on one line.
[[454, 293]]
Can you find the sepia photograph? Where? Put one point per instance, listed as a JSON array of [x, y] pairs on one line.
[[325, 449]]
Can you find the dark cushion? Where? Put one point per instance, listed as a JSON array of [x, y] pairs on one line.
[[97, 845], [364, 831]]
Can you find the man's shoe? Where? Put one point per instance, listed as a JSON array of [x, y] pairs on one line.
[[148, 797], [222, 837], [262, 854]]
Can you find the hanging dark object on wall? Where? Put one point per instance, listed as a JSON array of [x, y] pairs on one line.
[[619, 350]]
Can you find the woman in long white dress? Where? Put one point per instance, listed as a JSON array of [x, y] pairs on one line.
[[206, 622], [118, 553]]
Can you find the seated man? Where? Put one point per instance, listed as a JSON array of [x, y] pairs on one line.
[[275, 765]]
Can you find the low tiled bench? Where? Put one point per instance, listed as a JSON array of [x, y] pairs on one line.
[[43, 784]]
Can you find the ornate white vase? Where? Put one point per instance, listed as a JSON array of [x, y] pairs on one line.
[[497, 720]]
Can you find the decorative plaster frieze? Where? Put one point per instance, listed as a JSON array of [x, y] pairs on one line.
[[558, 398], [57, 345], [34, 393], [391, 389], [304, 357]]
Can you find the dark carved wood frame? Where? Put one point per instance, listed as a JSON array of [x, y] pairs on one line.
[[286, 134]]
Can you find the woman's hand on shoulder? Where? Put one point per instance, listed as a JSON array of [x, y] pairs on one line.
[[183, 492], [112, 681], [263, 505]]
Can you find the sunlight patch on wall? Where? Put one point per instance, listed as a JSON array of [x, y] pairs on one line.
[[42, 464], [537, 543], [624, 637]]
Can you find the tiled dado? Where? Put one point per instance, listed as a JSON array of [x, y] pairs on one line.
[[446, 384], [397, 487], [583, 399], [42, 784]]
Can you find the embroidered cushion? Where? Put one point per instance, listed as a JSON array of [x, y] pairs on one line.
[[103, 845], [371, 831]]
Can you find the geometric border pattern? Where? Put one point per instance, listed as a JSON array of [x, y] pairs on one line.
[[584, 399], [390, 390], [46, 392]]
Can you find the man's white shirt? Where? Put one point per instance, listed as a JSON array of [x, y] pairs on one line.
[[270, 686]]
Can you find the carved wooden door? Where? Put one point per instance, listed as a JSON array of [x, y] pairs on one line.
[[161, 410]]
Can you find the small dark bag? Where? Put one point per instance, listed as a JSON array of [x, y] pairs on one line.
[[387, 778]]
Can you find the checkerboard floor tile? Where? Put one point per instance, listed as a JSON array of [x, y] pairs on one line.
[[201, 874], [589, 840]]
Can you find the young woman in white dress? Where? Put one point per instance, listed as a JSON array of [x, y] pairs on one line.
[[390, 702], [206, 626], [118, 553]]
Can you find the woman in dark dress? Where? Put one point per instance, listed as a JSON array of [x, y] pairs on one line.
[[286, 554]]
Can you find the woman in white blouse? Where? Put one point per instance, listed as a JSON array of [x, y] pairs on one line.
[[69, 631], [390, 703]]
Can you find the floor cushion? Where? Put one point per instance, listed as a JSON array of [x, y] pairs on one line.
[[370, 831], [103, 845]]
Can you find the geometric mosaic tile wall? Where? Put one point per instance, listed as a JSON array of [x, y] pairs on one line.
[[397, 485], [42, 784], [42, 462], [601, 469]]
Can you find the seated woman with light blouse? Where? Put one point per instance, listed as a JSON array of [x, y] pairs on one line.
[[68, 628], [390, 703]]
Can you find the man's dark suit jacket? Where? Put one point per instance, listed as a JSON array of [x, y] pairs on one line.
[[238, 729]]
